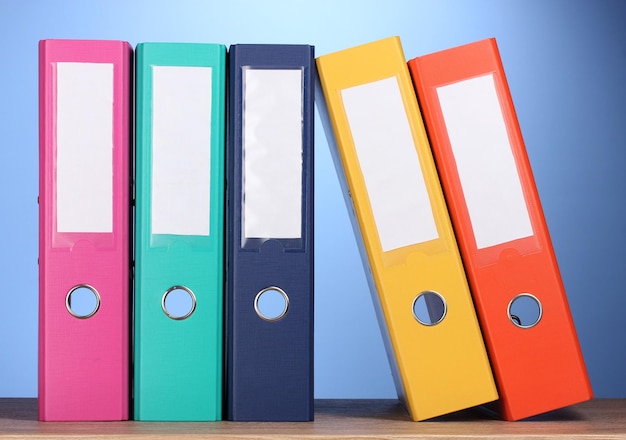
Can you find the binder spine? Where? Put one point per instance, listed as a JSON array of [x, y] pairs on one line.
[[84, 229], [180, 230], [507, 253], [386, 184], [269, 361]]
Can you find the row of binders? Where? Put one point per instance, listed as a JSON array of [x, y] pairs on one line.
[[204, 309], [462, 271], [132, 320]]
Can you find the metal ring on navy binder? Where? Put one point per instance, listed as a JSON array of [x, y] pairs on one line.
[[271, 318], [516, 319], [436, 310], [78, 288], [174, 316]]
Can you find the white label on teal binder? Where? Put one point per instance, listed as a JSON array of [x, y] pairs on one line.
[[389, 163], [485, 162], [272, 153], [181, 150], [84, 147]]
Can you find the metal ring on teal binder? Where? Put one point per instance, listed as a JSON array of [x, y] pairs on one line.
[[191, 309], [68, 301], [516, 320], [261, 314]]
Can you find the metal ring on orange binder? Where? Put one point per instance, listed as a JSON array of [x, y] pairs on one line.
[[516, 320], [265, 316], [76, 313], [174, 316]]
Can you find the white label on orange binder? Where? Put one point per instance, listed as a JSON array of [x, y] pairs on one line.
[[485, 162], [389, 163], [181, 150], [272, 153], [84, 147]]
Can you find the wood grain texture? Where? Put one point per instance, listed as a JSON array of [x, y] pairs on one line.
[[336, 419]]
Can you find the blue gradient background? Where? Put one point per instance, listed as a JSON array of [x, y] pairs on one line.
[[566, 65]]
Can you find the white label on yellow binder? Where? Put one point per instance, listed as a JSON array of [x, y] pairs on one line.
[[272, 153], [84, 144], [181, 150], [389, 163], [485, 162]]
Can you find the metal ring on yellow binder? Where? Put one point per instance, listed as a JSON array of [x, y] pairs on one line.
[[75, 313], [515, 318], [191, 309], [436, 311], [271, 318]]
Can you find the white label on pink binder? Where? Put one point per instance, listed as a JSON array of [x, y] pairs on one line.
[[272, 153], [181, 150], [389, 163], [485, 162], [84, 147]]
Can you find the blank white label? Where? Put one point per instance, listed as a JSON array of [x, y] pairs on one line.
[[84, 142], [181, 150], [390, 164], [485, 162], [272, 153]]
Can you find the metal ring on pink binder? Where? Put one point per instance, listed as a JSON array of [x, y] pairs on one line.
[[82, 301]]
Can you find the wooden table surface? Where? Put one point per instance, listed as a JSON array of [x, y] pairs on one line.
[[336, 419]]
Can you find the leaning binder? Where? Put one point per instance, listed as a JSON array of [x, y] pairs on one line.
[[179, 231], [390, 184], [84, 226], [270, 233], [500, 226]]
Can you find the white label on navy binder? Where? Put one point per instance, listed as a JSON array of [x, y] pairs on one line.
[[84, 144], [485, 162], [389, 163], [272, 153], [181, 150]]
